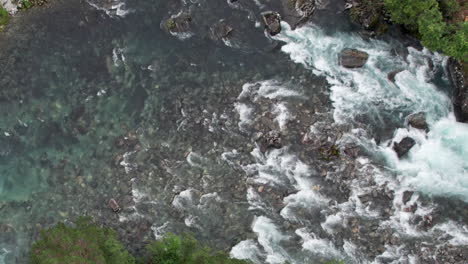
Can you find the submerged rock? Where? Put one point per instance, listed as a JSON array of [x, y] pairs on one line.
[[220, 30], [272, 22], [353, 58], [418, 120], [404, 146]]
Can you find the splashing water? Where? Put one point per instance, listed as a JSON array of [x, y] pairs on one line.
[[437, 165]]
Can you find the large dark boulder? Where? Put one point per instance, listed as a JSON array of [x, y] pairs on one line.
[[460, 95], [418, 120], [353, 58], [272, 22], [404, 146]]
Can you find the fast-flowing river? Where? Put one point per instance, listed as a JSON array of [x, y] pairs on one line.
[[100, 101]]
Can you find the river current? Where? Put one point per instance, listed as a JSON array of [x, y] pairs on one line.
[[99, 102]]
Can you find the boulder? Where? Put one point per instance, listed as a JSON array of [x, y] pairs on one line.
[[418, 120], [353, 58], [407, 196], [272, 22], [114, 205], [178, 23], [460, 95], [391, 75], [403, 146], [270, 140]]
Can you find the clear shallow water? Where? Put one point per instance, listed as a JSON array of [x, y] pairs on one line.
[[167, 127]]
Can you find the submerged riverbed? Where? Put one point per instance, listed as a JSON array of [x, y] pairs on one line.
[[99, 101]]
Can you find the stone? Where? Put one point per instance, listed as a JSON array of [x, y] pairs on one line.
[[353, 58], [178, 23], [272, 22], [460, 95], [404, 146], [391, 75], [114, 205], [407, 196], [271, 140], [418, 120]]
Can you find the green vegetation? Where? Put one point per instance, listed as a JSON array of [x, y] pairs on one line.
[[84, 243], [4, 17], [186, 250], [434, 23], [27, 4]]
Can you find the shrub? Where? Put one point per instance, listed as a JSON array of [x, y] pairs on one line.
[[185, 249], [4, 16], [83, 243], [426, 18]]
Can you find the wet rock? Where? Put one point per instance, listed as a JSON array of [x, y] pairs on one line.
[[403, 146], [407, 196], [391, 75], [178, 23], [272, 22], [114, 205], [220, 30], [270, 140], [460, 95], [353, 58], [305, 8], [418, 121]]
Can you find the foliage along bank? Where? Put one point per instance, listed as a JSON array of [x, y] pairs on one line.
[[87, 242], [439, 24]]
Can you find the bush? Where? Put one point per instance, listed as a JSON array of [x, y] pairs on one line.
[[4, 17], [84, 243], [185, 249], [426, 18]]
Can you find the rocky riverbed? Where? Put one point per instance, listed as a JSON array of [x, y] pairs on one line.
[[236, 121]]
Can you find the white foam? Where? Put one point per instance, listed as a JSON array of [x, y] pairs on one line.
[[113, 8], [245, 115], [159, 231], [282, 114], [248, 250], [9, 6], [269, 237], [270, 89], [458, 232], [319, 247]]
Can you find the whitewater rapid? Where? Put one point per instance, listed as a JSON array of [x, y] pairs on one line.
[[438, 164], [373, 105]]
